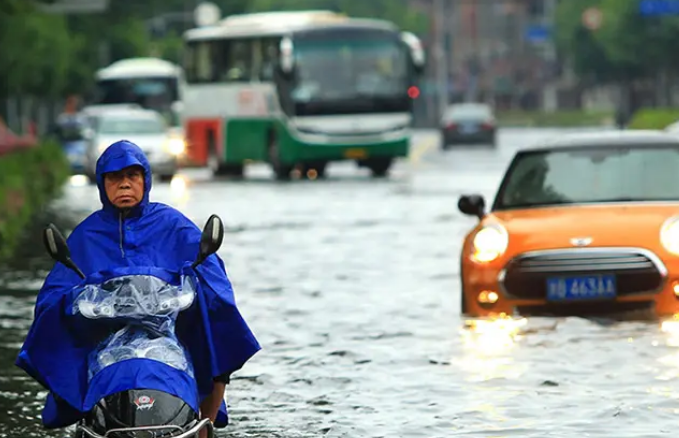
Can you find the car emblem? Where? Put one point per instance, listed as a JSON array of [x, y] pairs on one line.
[[581, 241], [144, 402]]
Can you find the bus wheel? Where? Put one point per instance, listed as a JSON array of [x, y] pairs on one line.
[[233, 170], [379, 166], [282, 171]]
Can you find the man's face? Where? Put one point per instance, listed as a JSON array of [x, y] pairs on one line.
[[125, 188]]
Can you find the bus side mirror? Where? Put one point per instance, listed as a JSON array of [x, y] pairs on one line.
[[416, 50], [287, 59]]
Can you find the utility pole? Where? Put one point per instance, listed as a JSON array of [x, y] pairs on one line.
[[441, 55]]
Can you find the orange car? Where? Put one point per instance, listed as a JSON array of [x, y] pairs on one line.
[[585, 224]]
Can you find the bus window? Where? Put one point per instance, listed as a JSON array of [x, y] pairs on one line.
[[269, 58], [198, 63], [188, 61], [203, 62], [236, 65]]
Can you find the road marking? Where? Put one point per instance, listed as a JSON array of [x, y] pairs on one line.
[[422, 148]]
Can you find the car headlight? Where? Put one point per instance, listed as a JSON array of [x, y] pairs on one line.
[[489, 243], [175, 146], [669, 235]]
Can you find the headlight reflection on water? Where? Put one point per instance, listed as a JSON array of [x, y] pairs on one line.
[[179, 190], [671, 327], [670, 361], [492, 336], [487, 346]]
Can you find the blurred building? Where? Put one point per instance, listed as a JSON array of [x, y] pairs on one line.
[[502, 52]]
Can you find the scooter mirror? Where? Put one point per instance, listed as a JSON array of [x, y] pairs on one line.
[[57, 248], [211, 239]]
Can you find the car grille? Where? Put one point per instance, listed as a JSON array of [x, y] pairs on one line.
[[637, 271]]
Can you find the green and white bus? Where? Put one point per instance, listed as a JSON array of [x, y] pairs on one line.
[[299, 90]]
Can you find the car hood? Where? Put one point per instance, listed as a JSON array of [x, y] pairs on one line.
[[606, 225]]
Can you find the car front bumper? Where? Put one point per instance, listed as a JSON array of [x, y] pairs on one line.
[[649, 286]]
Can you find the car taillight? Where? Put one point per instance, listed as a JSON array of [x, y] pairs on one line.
[[451, 125], [487, 125]]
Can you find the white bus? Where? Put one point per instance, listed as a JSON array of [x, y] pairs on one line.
[[152, 83], [298, 90]]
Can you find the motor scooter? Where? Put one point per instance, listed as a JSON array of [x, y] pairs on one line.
[[134, 299]]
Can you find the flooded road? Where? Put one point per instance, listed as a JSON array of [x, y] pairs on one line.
[[351, 286]]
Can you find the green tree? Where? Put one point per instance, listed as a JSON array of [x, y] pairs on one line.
[[630, 38], [35, 50], [626, 46], [590, 54]]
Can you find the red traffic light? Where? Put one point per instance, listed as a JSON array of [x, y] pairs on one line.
[[413, 92]]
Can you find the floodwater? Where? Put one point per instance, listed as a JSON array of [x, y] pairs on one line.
[[351, 285]]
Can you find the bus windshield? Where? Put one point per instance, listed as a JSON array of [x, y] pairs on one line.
[[350, 75]]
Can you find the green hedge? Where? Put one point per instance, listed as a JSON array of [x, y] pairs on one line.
[[556, 119], [653, 118], [29, 179]]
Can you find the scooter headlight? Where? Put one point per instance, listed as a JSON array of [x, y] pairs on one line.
[[669, 235], [489, 243]]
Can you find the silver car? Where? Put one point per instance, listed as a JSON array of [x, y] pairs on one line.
[[147, 129]]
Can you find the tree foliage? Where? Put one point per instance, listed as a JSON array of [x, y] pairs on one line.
[[626, 46]]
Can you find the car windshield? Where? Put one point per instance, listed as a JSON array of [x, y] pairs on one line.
[[150, 92], [124, 125], [148, 308], [591, 175]]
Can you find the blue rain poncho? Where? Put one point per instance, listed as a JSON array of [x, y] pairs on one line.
[[152, 239]]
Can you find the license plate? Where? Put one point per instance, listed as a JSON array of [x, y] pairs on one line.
[[581, 288], [468, 129], [355, 153]]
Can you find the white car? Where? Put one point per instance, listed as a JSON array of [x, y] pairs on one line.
[[145, 128]]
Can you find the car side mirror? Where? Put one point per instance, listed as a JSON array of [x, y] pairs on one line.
[[58, 249], [211, 239], [472, 205]]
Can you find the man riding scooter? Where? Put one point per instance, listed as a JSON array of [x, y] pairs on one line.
[[129, 233]]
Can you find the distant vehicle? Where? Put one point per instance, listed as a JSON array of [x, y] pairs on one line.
[[468, 123], [146, 128], [151, 83], [73, 133], [584, 224], [299, 90]]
